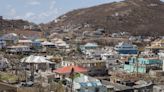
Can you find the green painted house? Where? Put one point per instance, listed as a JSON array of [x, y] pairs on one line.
[[142, 65], [133, 68]]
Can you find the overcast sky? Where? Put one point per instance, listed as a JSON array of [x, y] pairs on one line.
[[39, 11]]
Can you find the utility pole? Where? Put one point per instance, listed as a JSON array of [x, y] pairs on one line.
[[137, 61], [72, 78]]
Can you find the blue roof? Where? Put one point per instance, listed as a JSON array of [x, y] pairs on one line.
[[90, 84]]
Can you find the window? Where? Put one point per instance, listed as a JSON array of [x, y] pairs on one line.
[[97, 89]]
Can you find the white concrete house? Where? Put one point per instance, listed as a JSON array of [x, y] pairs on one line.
[[84, 83], [110, 58], [10, 38], [18, 49], [2, 43], [158, 88], [48, 44], [3, 63]]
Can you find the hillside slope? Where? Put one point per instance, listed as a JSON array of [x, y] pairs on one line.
[[6, 24], [139, 17]]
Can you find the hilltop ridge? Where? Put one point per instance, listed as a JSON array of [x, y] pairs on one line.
[[139, 17]]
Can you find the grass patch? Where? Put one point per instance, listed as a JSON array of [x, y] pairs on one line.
[[6, 77]]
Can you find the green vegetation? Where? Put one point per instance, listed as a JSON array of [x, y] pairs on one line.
[[8, 77]]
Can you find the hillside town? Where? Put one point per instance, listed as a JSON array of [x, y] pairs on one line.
[[42, 58], [59, 63]]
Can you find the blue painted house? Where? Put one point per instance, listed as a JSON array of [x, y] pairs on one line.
[[126, 48], [36, 44]]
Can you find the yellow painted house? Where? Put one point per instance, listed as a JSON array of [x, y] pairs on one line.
[[157, 44]]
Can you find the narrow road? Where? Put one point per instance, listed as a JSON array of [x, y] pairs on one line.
[[7, 87]]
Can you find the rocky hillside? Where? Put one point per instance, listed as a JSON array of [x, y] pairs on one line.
[[6, 24], [20, 27], [139, 17]]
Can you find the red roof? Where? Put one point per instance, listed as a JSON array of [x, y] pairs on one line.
[[68, 69]]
